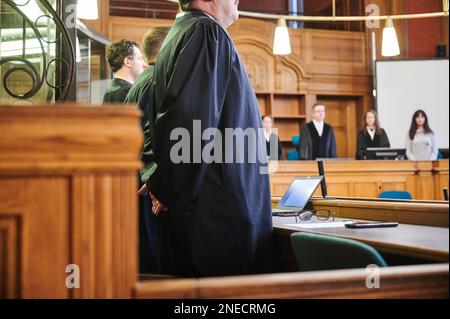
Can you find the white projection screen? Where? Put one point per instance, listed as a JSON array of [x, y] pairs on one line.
[[406, 86]]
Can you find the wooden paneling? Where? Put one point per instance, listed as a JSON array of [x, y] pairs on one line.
[[395, 282], [441, 178], [423, 180], [35, 236], [68, 196]]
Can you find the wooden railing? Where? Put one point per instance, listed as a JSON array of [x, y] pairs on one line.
[[395, 282]]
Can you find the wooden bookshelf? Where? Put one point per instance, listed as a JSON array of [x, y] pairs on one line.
[[288, 111]]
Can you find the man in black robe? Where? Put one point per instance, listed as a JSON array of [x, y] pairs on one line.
[[317, 139], [127, 64], [215, 216], [151, 44]]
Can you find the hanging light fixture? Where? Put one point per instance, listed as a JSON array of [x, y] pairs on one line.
[[282, 42], [87, 9], [390, 41]]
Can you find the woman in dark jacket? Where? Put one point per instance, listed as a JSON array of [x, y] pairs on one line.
[[272, 139], [371, 135]]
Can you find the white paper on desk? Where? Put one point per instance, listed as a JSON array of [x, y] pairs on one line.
[[319, 225]]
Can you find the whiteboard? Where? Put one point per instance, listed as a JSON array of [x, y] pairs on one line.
[[403, 87]]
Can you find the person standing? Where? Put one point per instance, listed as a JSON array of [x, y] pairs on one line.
[[138, 94], [127, 64], [371, 135], [421, 143], [215, 216], [272, 139], [317, 138]]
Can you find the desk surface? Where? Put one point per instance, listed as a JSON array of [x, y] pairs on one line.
[[427, 242]]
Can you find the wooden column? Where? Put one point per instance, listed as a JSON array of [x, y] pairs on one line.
[[68, 196]]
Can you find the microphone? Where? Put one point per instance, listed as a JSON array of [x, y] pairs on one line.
[[323, 184]]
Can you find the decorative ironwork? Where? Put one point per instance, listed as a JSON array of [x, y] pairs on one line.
[[39, 77]]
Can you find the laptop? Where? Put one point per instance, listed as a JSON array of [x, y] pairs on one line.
[[298, 195]]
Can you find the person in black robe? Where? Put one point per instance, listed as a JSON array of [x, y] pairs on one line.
[[127, 64], [317, 139], [272, 139], [215, 216], [371, 135], [148, 223]]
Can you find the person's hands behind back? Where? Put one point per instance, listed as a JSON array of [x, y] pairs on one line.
[[157, 206]]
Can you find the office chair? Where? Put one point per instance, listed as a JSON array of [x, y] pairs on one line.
[[402, 195], [296, 140], [315, 252], [294, 155]]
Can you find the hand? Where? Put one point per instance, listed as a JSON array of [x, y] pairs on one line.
[[157, 206]]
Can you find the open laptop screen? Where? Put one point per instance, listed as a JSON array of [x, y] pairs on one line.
[[300, 192]]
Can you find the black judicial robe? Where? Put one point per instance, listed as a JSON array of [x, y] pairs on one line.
[[365, 141], [148, 223], [116, 91], [139, 94], [219, 220], [312, 146]]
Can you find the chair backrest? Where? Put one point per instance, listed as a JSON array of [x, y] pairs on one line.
[[315, 252], [296, 140], [293, 156], [396, 195]]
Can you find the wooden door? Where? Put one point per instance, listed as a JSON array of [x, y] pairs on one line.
[[341, 114]]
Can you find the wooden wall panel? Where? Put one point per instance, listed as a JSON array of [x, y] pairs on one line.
[[68, 196], [35, 236], [367, 179]]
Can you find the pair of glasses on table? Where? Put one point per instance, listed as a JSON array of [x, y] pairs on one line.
[[306, 216]]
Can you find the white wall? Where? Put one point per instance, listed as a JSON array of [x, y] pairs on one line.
[[406, 86]]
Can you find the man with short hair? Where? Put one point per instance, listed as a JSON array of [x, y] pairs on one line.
[[317, 139], [127, 64], [138, 94], [215, 217], [151, 44]]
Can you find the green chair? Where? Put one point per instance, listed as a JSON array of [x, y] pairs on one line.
[[315, 252]]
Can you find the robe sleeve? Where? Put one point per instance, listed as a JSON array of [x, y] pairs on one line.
[[361, 147], [333, 147], [303, 147], [385, 139], [196, 91]]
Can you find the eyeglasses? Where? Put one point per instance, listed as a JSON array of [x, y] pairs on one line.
[[322, 215]]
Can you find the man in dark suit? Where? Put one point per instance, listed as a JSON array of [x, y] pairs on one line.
[[127, 64], [317, 138]]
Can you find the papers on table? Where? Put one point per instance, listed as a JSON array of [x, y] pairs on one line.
[[318, 225]]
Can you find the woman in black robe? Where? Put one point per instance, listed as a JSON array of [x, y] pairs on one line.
[[371, 135], [272, 140]]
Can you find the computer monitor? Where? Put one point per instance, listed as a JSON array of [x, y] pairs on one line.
[[299, 193], [444, 153], [381, 153]]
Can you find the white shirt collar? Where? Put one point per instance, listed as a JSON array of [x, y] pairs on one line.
[[319, 126], [371, 133]]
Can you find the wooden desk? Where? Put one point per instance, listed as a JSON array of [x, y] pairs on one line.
[[424, 242], [367, 179], [428, 213]]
